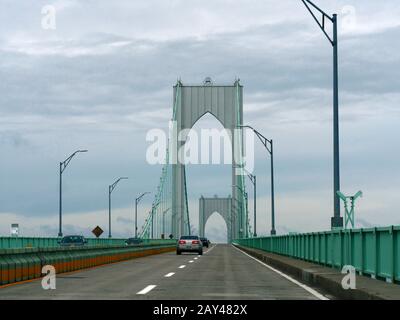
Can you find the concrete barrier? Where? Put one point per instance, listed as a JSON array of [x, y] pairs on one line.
[[26, 263]]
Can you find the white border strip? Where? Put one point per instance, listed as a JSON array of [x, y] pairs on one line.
[[305, 287]]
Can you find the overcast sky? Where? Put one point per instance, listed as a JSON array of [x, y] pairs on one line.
[[104, 77]]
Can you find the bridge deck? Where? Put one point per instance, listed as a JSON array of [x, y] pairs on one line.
[[222, 272]]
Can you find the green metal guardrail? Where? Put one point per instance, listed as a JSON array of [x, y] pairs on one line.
[[372, 251], [27, 263], [37, 242]]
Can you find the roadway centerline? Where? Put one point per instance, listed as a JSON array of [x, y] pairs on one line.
[[302, 285], [169, 274], [191, 261], [147, 289], [182, 266]]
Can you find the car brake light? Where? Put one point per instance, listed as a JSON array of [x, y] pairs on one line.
[[182, 241], [196, 242]]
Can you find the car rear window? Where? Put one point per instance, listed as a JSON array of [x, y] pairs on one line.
[[189, 237]]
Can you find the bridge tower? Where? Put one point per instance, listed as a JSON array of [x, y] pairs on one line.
[[207, 206], [225, 103]]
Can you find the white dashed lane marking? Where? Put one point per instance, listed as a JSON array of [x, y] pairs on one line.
[[169, 274], [147, 289]]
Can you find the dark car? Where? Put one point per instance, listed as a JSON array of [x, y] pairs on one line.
[[205, 242], [72, 241], [132, 241]]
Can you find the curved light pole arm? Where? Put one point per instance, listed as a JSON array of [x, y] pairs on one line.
[[112, 187], [307, 3], [262, 138], [141, 196], [65, 163]]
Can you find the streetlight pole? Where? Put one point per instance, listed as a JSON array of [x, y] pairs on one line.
[[152, 222], [241, 217], [336, 220], [110, 190], [137, 200], [63, 166], [253, 180], [269, 146], [163, 227], [152, 217]]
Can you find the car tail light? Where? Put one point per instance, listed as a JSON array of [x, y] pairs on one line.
[[195, 241], [182, 241]]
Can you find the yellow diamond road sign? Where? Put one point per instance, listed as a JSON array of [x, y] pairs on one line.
[[97, 231]]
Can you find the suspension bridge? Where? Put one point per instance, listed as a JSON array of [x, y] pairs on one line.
[[169, 214], [295, 266]]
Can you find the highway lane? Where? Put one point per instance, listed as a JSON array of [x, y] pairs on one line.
[[223, 272]]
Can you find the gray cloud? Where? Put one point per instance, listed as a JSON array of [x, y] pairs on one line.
[[124, 220]]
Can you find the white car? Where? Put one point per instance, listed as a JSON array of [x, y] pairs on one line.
[[189, 244]]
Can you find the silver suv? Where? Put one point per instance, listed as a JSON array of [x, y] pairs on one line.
[[189, 244]]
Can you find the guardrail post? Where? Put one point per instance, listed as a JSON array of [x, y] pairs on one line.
[[362, 267], [393, 255], [375, 252]]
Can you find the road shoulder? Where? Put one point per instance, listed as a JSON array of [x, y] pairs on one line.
[[327, 279]]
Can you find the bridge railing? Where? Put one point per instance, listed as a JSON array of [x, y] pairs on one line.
[[372, 251], [45, 242]]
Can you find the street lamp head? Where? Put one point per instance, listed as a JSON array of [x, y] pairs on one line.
[[82, 150]]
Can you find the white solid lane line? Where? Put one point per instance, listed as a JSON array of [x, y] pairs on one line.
[[182, 266], [169, 274], [147, 289], [305, 287]]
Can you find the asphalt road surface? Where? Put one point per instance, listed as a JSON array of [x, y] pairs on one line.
[[223, 272]]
